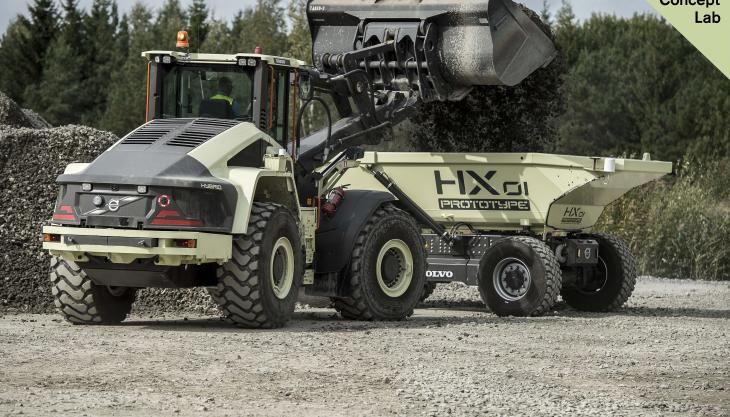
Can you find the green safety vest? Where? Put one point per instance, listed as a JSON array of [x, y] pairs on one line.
[[223, 97]]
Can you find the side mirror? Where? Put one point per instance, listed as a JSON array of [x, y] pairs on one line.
[[305, 86]]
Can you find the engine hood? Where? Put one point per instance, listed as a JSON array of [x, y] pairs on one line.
[[156, 153]]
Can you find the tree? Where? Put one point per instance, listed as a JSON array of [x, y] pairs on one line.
[[101, 58], [630, 91], [198, 24], [170, 19], [127, 94], [41, 31], [14, 59], [263, 25], [60, 97], [299, 40]]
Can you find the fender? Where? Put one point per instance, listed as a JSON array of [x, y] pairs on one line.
[[336, 235]]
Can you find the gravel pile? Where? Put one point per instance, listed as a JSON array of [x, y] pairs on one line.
[[32, 155]]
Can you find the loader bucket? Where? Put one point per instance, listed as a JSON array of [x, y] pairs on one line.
[[441, 48]]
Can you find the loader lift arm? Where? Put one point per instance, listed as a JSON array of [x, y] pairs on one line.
[[379, 59]]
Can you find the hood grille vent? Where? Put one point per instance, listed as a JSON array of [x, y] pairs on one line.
[[200, 131], [185, 133], [149, 133]]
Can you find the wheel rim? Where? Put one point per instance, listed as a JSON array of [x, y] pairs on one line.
[[394, 269], [512, 279], [281, 268]]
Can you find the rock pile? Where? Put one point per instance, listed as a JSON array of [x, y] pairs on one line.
[[32, 155]]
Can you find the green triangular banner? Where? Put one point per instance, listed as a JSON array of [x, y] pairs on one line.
[[706, 26]]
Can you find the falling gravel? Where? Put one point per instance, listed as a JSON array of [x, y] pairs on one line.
[[666, 353]]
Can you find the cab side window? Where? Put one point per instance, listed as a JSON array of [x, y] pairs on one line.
[[279, 91]]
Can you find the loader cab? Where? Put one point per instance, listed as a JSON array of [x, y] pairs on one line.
[[255, 88]]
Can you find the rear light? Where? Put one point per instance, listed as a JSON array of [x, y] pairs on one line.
[[64, 213], [186, 243], [49, 237], [172, 218]]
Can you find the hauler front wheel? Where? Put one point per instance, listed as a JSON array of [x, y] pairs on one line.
[[387, 268], [80, 301], [609, 284], [258, 287], [519, 276]]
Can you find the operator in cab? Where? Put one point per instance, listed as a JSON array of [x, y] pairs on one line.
[[225, 88]]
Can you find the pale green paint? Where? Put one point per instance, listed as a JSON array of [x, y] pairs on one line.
[[556, 183], [712, 39], [215, 153], [210, 247]]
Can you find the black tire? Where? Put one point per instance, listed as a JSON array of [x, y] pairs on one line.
[[615, 287], [80, 301], [514, 292], [427, 290], [367, 300], [247, 292]]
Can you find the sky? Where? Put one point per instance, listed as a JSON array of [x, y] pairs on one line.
[[223, 8]]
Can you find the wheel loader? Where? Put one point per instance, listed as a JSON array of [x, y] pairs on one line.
[[219, 189]]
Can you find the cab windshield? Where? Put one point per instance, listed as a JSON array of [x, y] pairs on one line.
[[218, 91]]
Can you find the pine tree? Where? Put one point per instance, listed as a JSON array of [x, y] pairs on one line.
[[60, 97], [170, 19], [101, 58], [42, 30], [198, 24], [219, 38], [14, 59], [263, 25], [299, 40], [126, 102]]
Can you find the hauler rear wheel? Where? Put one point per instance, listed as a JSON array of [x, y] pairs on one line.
[[519, 276], [388, 267], [609, 284], [80, 301], [258, 287]]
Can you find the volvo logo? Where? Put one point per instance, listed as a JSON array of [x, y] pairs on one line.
[[113, 205], [439, 274]]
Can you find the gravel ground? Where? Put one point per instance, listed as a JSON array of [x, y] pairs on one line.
[[666, 353]]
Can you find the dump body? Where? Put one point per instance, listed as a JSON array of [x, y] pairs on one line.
[[501, 191]]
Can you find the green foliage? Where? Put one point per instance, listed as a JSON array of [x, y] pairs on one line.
[[636, 85], [14, 60], [262, 25], [300, 40], [678, 228], [198, 24], [126, 97]]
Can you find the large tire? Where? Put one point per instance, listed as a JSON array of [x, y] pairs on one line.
[[258, 287], [80, 301], [387, 269], [615, 278], [519, 276]]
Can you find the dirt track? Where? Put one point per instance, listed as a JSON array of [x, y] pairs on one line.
[[667, 353]]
